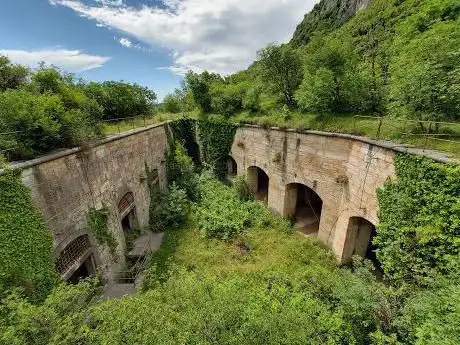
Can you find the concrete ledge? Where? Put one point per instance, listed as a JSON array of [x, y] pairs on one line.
[[403, 148], [53, 156]]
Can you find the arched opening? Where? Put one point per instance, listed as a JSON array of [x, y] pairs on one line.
[[304, 206], [258, 182], [359, 241], [193, 151], [232, 167], [127, 211], [76, 261]]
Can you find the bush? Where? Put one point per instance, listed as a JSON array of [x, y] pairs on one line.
[[172, 104], [181, 170], [241, 188], [418, 234], [170, 209]]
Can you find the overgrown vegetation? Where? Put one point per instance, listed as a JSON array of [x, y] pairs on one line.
[[26, 250], [264, 285], [419, 228], [216, 139], [47, 109], [97, 222]]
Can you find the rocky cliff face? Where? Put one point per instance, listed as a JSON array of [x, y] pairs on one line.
[[326, 16]]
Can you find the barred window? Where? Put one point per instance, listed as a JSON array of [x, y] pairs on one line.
[[72, 253], [126, 202]]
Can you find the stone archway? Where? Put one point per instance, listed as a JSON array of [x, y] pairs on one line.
[[76, 260], [304, 206], [360, 235], [258, 182], [127, 211], [232, 167]]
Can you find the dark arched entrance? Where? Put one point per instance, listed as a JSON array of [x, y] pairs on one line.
[[232, 167], [359, 241], [127, 211], [258, 183], [304, 206], [193, 151], [76, 261]]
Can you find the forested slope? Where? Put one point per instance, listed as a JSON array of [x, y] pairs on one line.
[[393, 59]]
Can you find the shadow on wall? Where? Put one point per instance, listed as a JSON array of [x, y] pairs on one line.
[[304, 206]]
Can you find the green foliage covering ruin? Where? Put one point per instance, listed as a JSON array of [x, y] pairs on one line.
[[216, 139], [97, 222], [26, 250], [419, 231]]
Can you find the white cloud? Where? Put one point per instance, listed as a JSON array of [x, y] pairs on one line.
[[217, 35], [125, 42], [70, 60], [114, 3]]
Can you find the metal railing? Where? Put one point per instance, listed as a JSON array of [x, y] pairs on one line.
[[447, 133]]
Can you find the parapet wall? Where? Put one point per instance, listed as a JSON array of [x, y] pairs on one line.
[[344, 172], [66, 185]]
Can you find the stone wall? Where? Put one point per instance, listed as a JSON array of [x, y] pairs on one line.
[[344, 172], [66, 185]]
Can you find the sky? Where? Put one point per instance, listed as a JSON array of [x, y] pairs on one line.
[[149, 42]]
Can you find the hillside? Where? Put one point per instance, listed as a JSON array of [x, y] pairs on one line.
[[325, 17]]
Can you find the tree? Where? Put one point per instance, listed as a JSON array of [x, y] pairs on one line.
[[317, 91], [172, 103], [199, 86], [281, 68], [426, 76], [12, 76], [120, 99]]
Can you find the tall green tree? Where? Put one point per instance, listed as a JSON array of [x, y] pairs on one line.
[[199, 86], [12, 76], [281, 68]]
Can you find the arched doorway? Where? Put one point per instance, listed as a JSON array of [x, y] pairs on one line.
[[304, 206], [258, 182], [232, 167], [193, 151], [127, 211], [76, 261], [359, 241]]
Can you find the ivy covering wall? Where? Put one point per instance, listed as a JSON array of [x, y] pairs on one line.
[[97, 221], [216, 139], [26, 257], [419, 232]]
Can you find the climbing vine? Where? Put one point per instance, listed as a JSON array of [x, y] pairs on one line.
[[419, 232], [26, 258], [216, 139], [97, 221]]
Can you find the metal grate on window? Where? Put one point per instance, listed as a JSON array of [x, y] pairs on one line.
[[126, 202], [72, 253]]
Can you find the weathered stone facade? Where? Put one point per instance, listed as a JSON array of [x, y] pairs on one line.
[[66, 185], [345, 173], [343, 170]]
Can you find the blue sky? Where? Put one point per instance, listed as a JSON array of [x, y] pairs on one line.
[[150, 42]]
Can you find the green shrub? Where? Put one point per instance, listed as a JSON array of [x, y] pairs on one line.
[[180, 170], [61, 319], [170, 209], [418, 234], [241, 188]]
